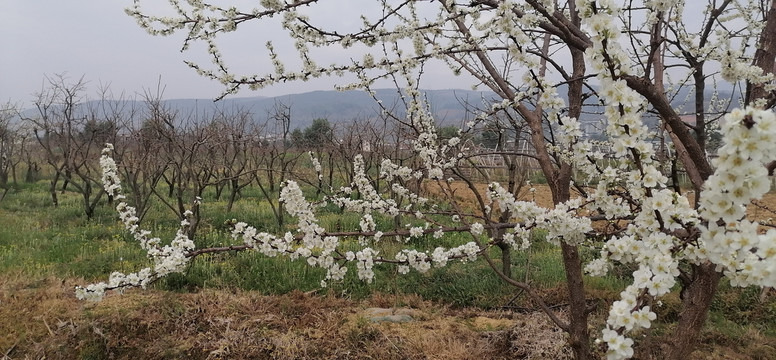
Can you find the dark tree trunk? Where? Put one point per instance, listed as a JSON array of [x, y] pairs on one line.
[[219, 189], [696, 301], [13, 174], [88, 208], [32, 173], [53, 190], [66, 181], [506, 259], [234, 190], [765, 58], [579, 337]]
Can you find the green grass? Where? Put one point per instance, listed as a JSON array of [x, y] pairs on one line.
[[39, 240]]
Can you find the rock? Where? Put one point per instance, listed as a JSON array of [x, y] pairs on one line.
[[378, 312], [402, 315], [392, 319], [481, 323]]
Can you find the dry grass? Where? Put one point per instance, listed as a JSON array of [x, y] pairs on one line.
[[43, 319], [543, 197], [467, 199], [40, 318]]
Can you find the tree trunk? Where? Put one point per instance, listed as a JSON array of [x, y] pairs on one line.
[[579, 338], [88, 208], [219, 189], [32, 173], [171, 185], [696, 301], [13, 174], [235, 188], [65, 181], [53, 189], [506, 259], [764, 58]]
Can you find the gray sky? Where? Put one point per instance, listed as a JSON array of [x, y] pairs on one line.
[[95, 39], [90, 38]]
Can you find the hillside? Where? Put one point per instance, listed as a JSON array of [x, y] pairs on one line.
[[449, 107], [338, 107]]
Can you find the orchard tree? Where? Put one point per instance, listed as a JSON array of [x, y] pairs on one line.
[[234, 150], [70, 130], [12, 141], [318, 138], [549, 62]]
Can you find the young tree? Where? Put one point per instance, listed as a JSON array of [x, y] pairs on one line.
[[70, 130], [11, 140], [234, 149], [550, 62], [14, 140]]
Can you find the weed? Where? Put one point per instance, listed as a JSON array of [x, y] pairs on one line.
[[39, 242]]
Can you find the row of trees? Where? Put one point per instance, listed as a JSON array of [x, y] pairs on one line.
[[61, 138], [173, 157], [619, 59]]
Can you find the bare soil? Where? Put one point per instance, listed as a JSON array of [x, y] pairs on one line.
[[42, 319], [763, 210]]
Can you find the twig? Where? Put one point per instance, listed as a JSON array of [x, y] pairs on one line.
[[7, 353], [48, 327]]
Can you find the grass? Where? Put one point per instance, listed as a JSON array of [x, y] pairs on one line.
[[44, 247], [40, 240], [237, 324]]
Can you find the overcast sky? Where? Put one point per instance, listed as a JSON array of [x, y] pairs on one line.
[[90, 38], [97, 40]]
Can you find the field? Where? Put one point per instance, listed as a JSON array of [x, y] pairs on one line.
[[248, 306]]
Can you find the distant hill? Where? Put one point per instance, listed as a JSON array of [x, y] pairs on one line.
[[336, 106], [449, 107]]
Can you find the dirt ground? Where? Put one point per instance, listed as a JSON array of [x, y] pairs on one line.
[[42, 319], [763, 210]]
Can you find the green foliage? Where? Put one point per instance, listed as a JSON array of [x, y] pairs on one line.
[[714, 142], [489, 138], [538, 178], [447, 132], [39, 241], [98, 131], [320, 133]]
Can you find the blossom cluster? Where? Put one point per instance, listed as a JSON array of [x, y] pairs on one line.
[[561, 223], [309, 243], [646, 240], [421, 261], [166, 259], [370, 199], [730, 241], [625, 185], [316, 165]]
